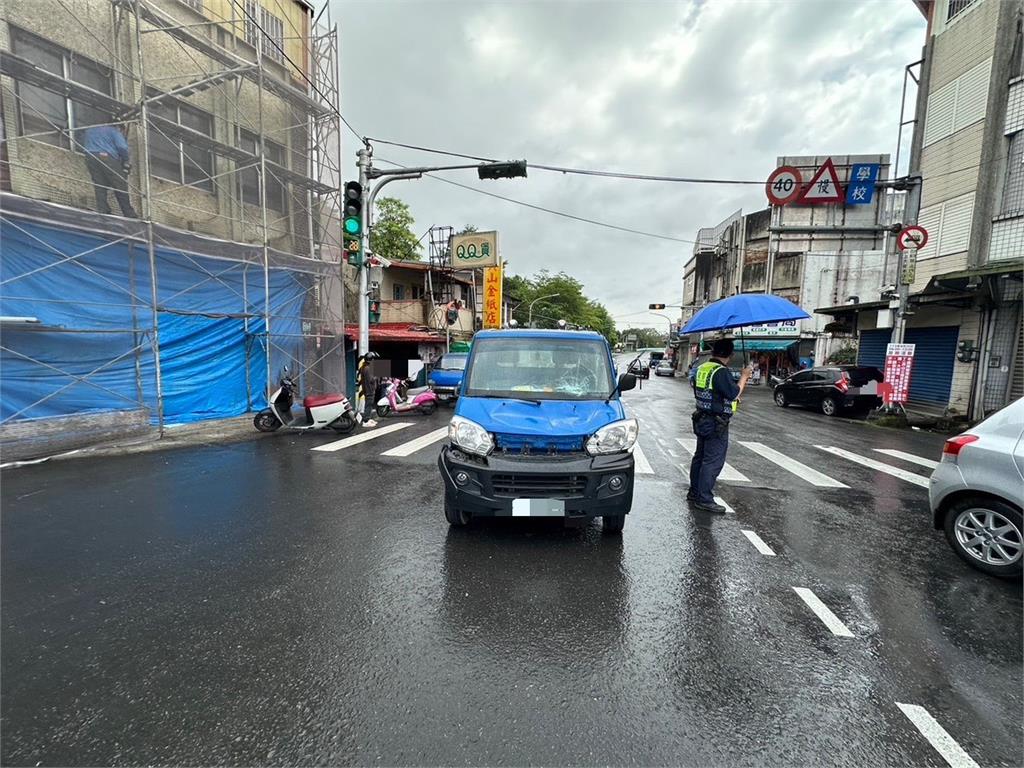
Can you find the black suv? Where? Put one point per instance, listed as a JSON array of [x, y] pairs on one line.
[[832, 390]]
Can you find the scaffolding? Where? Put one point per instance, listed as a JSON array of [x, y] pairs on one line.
[[253, 215]]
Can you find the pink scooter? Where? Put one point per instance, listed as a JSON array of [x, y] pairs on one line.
[[397, 400]]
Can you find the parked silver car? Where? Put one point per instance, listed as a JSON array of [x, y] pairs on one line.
[[977, 492]]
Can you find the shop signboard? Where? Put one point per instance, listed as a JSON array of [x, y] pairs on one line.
[[492, 297], [474, 250], [899, 361], [785, 328]]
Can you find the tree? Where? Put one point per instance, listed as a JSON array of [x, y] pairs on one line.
[[645, 337], [557, 297], [392, 236]]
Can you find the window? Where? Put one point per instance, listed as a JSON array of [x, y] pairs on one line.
[[249, 179], [801, 378], [398, 292], [958, 104], [51, 117], [176, 160], [270, 40], [956, 7], [1013, 186], [541, 369], [417, 292]]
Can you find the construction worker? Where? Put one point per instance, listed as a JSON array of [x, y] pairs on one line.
[[108, 159], [717, 396]]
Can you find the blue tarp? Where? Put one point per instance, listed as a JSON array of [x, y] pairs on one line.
[[85, 308]]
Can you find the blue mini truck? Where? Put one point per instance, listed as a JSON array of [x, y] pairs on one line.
[[540, 431]]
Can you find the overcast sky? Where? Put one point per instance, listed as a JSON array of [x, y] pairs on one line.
[[699, 89]]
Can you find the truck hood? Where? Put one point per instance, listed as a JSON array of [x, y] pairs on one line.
[[549, 418], [446, 378]]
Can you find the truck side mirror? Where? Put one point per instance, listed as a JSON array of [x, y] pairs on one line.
[[627, 381]]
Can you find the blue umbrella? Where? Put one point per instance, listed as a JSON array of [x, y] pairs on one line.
[[744, 309]]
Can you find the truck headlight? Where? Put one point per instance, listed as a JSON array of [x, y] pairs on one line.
[[470, 436], [617, 437], [431, 382]]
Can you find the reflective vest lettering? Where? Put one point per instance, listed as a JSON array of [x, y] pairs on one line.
[[703, 387]]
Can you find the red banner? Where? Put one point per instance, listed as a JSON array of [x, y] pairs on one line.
[[899, 361]]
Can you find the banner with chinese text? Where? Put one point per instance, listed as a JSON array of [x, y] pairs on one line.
[[492, 297], [899, 360]]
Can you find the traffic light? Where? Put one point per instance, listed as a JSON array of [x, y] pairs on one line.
[[655, 306], [509, 170], [352, 223], [374, 311]]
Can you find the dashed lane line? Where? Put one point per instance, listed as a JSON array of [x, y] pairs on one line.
[[728, 510], [758, 543], [729, 473], [363, 437], [931, 464], [812, 476], [406, 449], [902, 474], [823, 612], [641, 465], [937, 736]]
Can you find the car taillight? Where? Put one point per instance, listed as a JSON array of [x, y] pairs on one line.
[[844, 382], [951, 450]]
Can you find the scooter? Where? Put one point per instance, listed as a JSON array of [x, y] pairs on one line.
[[331, 411], [396, 400]]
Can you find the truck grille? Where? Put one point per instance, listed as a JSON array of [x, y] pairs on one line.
[[539, 444], [519, 486]]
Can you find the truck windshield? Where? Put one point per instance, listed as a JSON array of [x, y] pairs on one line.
[[544, 369], [453, 363]]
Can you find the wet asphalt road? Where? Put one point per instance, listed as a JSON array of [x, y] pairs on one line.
[[265, 603]]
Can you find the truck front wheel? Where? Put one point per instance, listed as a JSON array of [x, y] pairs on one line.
[[613, 523], [454, 515]]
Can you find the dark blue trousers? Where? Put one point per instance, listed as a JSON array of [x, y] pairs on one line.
[[708, 460]]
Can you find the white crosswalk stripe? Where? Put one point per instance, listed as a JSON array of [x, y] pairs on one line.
[[920, 460], [643, 466], [823, 612], [409, 448], [812, 476], [729, 473], [902, 474], [362, 437], [758, 543], [728, 510]]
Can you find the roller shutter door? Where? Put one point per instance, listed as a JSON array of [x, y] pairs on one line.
[[934, 359], [871, 350]]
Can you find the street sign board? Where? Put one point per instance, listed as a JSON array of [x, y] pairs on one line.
[[475, 250], [909, 273], [861, 189], [823, 187], [912, 237], [492, 297], [785, 328], [899, 361], [783, 185]]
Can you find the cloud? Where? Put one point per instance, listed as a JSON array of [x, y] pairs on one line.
[[691, 89]]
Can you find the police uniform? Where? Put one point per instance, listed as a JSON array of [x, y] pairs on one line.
[[716, 394]]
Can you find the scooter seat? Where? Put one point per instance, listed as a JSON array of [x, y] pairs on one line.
[[417, 391], [313, 401]]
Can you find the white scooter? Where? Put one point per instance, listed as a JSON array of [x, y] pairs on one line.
[[331, 411]]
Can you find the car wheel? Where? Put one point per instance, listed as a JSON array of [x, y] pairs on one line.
[[454, 515], [780, 399], [987, 534], [613, 523], [828, 406]]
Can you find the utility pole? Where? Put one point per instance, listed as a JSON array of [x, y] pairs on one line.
[[906, 261], [365, 160]]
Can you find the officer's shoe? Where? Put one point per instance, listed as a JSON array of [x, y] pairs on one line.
[[714, 507]]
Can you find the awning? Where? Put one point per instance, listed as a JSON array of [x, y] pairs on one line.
[[764, 345], [398, 332], [969, 279], [850, 309]]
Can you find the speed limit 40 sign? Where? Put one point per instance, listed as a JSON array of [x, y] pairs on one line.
[[784, 185]]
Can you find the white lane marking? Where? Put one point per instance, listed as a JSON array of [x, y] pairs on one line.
[[406, 449], [937, 736], [642, 465], [674, 454], [363, 437], [910, 477], [758, 543], [812, 476], [729, 473], [728, 510], [822, 611], [931, 464]]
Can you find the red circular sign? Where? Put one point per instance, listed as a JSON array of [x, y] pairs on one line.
[[912, 237], [783, 185]]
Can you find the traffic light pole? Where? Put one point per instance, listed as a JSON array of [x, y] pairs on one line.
[[365, 154]]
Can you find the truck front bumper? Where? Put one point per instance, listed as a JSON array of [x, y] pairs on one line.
[[586, 486]]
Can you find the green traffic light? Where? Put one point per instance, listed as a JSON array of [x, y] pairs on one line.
[[352, 225]]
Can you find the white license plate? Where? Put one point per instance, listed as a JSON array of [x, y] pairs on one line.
[[538, 508]]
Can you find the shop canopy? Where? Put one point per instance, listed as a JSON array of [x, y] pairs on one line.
[[767, 345]]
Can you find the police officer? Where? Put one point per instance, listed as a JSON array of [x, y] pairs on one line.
[[716, 395]]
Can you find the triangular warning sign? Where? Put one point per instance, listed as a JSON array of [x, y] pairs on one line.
[[823, 187]]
